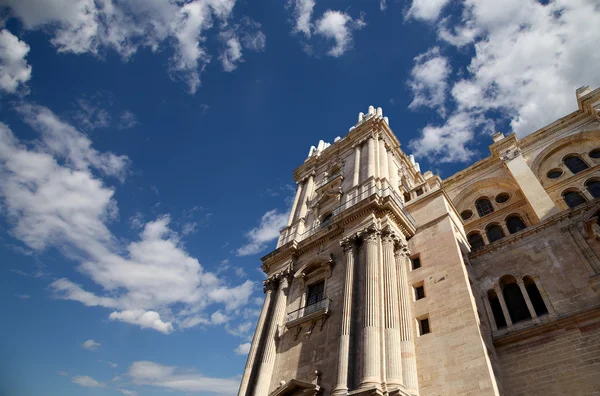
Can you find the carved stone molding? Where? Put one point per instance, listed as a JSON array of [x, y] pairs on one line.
[[388, 235], [370, 234], [511, 154]]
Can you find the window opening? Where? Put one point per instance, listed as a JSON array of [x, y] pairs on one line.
[[575, 164], [573, 198], [484, 206], [495, 233], [515, 224]]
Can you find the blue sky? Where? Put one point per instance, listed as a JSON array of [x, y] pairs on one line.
[[147, 150]]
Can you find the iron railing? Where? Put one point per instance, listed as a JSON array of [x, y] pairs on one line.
[[321, 305]]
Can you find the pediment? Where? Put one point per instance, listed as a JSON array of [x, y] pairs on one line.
[[297, 387]]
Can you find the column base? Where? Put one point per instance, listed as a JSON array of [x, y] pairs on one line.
[[399, 391], [339, 392], [367, 390]]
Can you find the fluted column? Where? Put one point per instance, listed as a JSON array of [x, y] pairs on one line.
[[383, 164], [268, 286], [503, 305], [350, 250], [269, 353], [392, 171], [393, 348], [407, 338], [371, 160], [356, 165], [306, 196], [295, 205], [371, 364]]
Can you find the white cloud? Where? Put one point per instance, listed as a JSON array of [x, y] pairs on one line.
[[145, 319], [338, 26], [302, 11], [53, 196], [87, 381], [189, 228], [528, 59], [233, 51], [91, 345], [219, 317], [154, 374], [127, 120], [91, 115], [127, 392], [242, 349], [268, 230], [98, 26], [428, 80], [14, 69], [428, 10]]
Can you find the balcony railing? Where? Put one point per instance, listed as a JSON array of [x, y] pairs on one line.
[[321, 306]]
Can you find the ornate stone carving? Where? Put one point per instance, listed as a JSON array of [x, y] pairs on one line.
[[370, 234], [511, 154], [389, 236]]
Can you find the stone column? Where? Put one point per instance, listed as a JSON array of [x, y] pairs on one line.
[[544, 295], [268, 287], [393, 348], [407, 338], [392, 171], [356, 165], [350, 250], [295, 205], [503, 305], [371, 364], [526, 297], [490, 313], [268, 359], [383, 165], [307, 194], [371, 160]]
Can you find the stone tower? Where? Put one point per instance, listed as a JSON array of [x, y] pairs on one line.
[[343, 312]]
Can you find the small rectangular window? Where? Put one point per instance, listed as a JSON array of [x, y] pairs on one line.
[[419, 191], [416, 263], [424, 326], [419, 292]]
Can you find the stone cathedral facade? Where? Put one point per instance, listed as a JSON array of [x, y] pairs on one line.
[[389, 280]]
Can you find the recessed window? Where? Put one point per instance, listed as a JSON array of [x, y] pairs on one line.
[[573, 198], [424, 326], [476, 241], [515, 224], [554, 173], [419, 291], [593, 186], [575, 163], [419, 191], [466, 214], [595, 153], [406, 197], [501, 198], [494, 233], [484, 206], [416, 263]]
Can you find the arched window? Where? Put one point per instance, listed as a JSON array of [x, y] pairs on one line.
[[534, 295], [406, 197], [326, 220], [593, 186], [484, 206], [514, 224], [573, 198], [496, 309], [515, 303], [476, 241], [494, 233], [575, 163]]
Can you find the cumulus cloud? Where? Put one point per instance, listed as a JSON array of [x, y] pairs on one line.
[[428, 80], [232, 54], [268, 230], [87, 381], [242, 349], [98, 26], [338, 26], [428, 10], [90, 345], [144, 319], [54, 196], [14, 70], [528, 57], [169, 377], [302, 12]]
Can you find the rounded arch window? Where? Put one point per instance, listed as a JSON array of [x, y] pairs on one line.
[[573, 198], [494, 233], [484, 206], [595, 153], [476, 241], [502, 198], [326, 219], [554, 173], [593, 186], [575, 163], [514, 224], [513, 299], [466, 214]]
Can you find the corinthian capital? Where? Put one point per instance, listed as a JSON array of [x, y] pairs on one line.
[[370, 234], [348, 243], [401, 248], [388, 235]]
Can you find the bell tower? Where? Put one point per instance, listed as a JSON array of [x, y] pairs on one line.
[[338, 316]]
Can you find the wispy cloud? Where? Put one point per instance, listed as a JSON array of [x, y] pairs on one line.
[[90, 345], [242, 349], [87, 381], [14, 70], [268, 230]]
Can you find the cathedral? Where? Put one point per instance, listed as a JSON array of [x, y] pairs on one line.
[[388, 280]]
